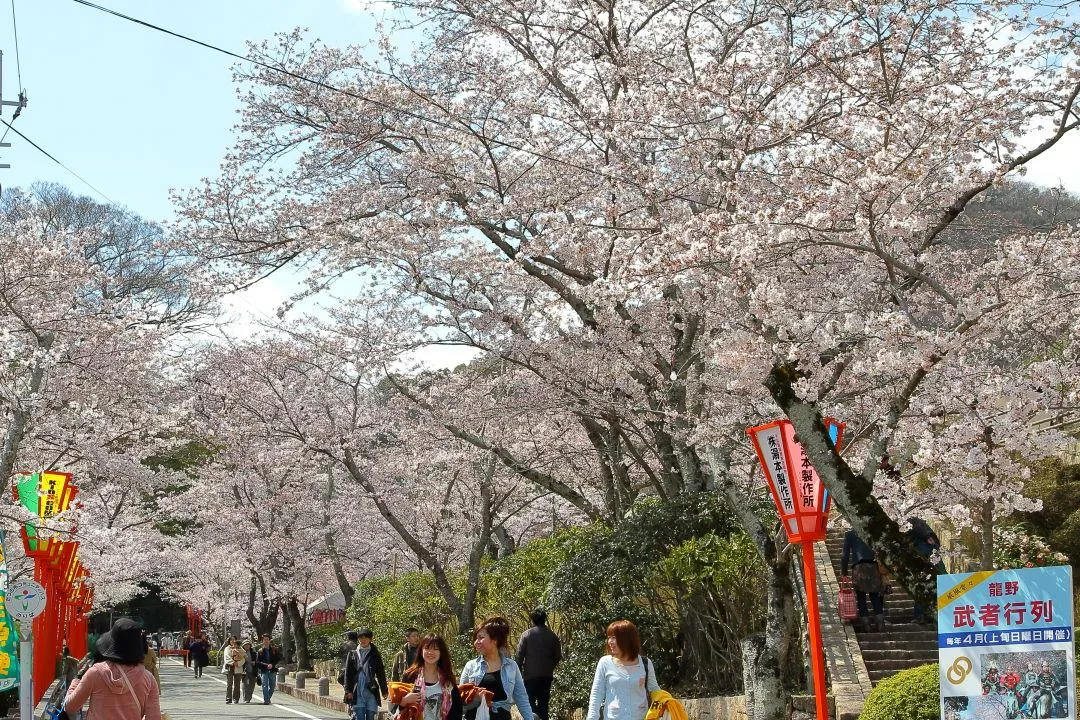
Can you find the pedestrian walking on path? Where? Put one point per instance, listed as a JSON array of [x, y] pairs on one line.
[[200, 654], [494, 670], [435, 695], [185, 648], [267, 660], [250, 670], [624, 678], [365, 677], [232, 667], [118, 686], [538, 652], [150, 662], [406, 656], [866, 578], [186, 697]]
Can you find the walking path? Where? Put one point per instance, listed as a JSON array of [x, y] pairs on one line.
[[185, 697]]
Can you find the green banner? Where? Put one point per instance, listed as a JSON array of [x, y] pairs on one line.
[[9, 638]]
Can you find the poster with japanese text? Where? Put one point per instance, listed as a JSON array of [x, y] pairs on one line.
[[1005, 644]]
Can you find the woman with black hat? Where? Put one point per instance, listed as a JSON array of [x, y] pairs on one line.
[[118, 686]]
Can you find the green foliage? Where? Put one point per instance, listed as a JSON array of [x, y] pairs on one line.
[[717, 583], [325, 641], [648, 570], [1058, 486], [389, 605], [909, 695]]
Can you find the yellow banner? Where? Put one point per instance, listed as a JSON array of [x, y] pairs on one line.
[[53, 493], [962, 588]]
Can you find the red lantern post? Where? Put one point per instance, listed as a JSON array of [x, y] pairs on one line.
[[803, 504]]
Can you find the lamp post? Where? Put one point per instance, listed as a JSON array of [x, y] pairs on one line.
[[803, 504]]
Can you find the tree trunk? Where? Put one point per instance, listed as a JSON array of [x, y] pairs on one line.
[[851, 492], [986, 531], [286, 636], [767, 657], [266, 620], [343, 583], [467, 615], [299, 634]]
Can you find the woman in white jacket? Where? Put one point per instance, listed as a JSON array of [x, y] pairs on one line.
[[233, 658], [624, 678]]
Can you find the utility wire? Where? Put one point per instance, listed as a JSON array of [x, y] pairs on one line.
[[52, 157], [15, 27], [18, 68], [355, 95]]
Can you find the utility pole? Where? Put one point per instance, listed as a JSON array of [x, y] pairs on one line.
[[17, 104]]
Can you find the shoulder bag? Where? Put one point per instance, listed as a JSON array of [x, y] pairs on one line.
[[124, 677]]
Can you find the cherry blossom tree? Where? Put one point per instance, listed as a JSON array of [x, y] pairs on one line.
[[84, 383], [677, 218]]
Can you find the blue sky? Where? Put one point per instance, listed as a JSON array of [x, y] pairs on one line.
[[134, 111], [137, 112]]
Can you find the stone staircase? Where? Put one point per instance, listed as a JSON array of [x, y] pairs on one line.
[[902, 644]]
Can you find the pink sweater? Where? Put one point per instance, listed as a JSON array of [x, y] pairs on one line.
[[109, 696]]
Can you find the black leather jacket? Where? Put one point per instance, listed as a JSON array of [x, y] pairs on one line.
[[376, 671]]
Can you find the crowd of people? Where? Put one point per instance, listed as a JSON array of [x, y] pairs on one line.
[[122, 683], [423, 685]]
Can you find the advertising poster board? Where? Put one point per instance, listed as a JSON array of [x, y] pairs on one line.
[[1005, 644]]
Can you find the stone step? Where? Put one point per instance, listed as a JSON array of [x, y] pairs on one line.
[[880, 656], [908, 630], [869, 643], [902, 644]]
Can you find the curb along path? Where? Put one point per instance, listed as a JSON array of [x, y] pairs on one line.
[[185, 697]]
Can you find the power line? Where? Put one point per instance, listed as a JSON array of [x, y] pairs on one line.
[[355, 95], [52, 157], [15, 28]]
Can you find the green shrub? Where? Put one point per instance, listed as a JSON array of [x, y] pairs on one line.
[[635, 571], [909, 695], [324, 641], [389, 605], [717, 584]]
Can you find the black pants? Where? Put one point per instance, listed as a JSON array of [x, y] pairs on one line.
[[539, 690]]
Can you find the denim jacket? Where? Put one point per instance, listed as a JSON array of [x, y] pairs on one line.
[[513, 684]]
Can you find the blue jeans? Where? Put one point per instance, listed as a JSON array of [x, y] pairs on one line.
[[366, 705], [269, 680]]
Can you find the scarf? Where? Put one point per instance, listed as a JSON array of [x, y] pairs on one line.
[[447, 692]]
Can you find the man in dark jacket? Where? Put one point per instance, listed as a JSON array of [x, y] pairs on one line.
[[266, 661], [365, 677], [406, 655], [538, 652], [928, 545]]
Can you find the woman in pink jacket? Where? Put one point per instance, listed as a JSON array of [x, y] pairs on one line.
[[118, 686]]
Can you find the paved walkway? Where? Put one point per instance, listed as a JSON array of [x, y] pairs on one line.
[[185, 697]]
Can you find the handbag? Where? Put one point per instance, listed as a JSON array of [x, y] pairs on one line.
[[845, 601]]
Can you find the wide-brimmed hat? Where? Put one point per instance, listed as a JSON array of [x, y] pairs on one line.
[[124, 643]]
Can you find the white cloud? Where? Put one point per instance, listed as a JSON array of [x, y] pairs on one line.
[[1060, 165]]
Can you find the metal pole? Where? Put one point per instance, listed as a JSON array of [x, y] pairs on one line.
[[813, 617], [26, 670]]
